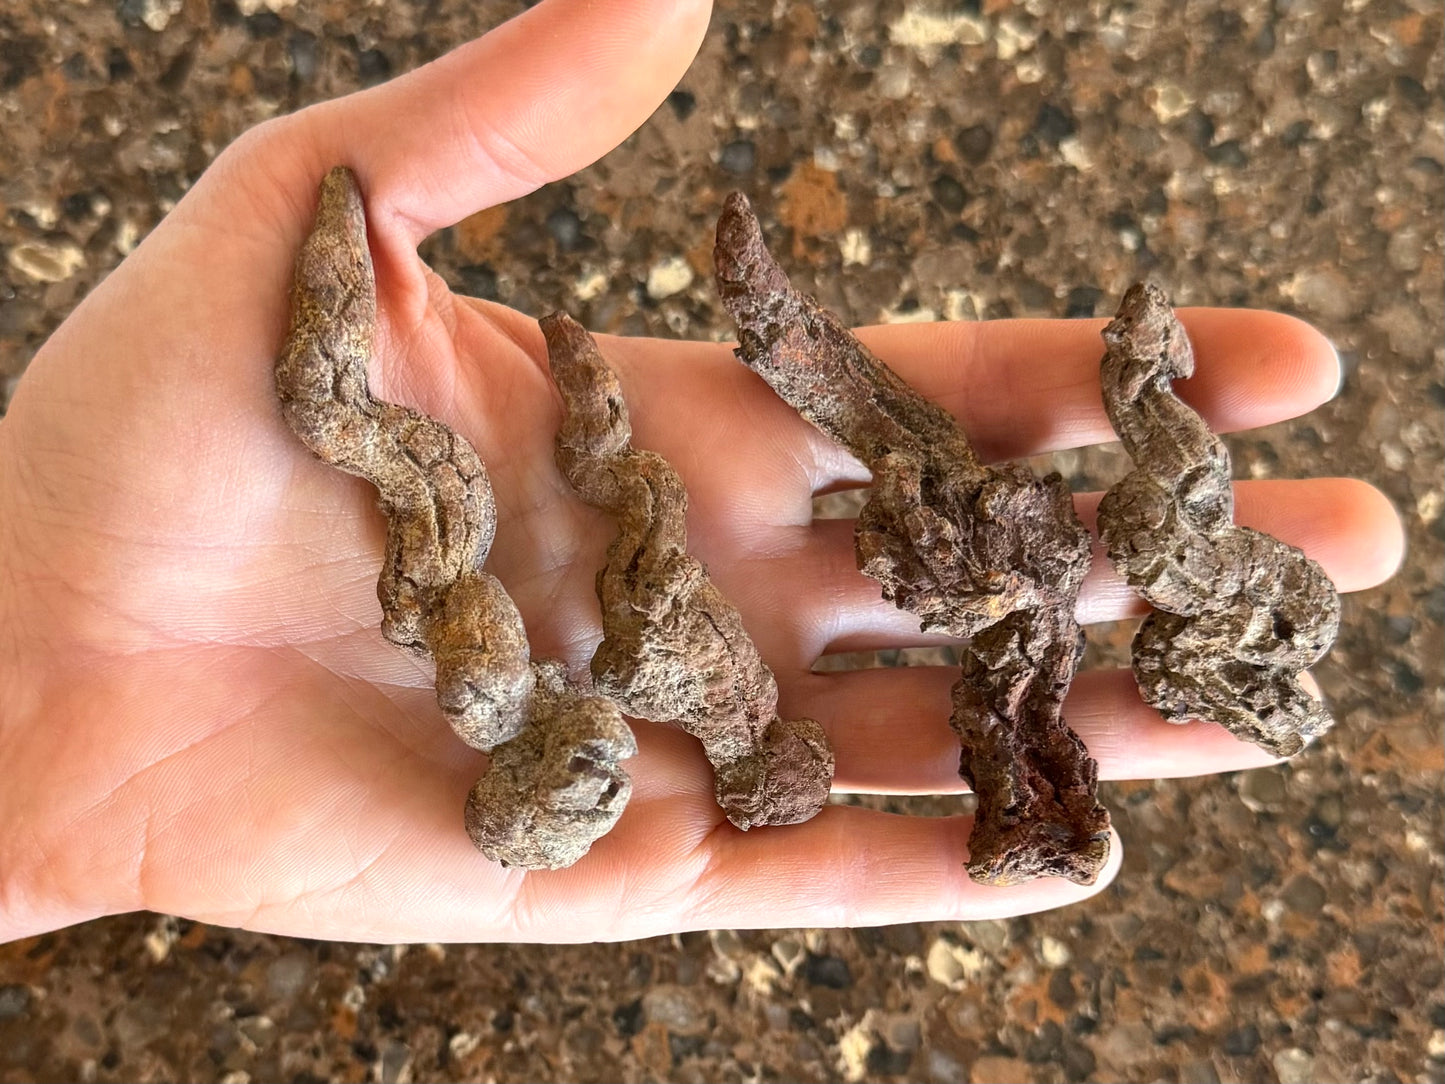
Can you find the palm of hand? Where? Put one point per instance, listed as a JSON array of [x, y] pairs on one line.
[[232, 587]]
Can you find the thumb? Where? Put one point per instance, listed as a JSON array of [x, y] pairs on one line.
[[534, 100]]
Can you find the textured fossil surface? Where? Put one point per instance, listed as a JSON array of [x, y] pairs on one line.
[[1238, 614], [990, 553], [673, 647], [554, 785]]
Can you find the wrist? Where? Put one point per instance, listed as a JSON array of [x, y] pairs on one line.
[[12, 696], [55, 868], [17, 713], [26, 903]]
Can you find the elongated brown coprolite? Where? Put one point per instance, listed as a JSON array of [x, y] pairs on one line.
[[554, 784], [990, 553], [1237, 614], [673, 647]]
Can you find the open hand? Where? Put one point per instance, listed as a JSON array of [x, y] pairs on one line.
[[198, 714]]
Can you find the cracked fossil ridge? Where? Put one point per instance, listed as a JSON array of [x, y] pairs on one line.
[[989, 553], [1237, 614], [554, 784], [673, 647]]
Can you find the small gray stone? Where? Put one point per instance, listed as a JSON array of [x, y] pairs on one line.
[[738, 157], [727, 944], [302, 52], [395, 1064], [943, 1068], [1330, 811], [1410, 333], [1405, 250], [1241, 1042], [902, 1032], [289, 975], [14, 1000], [790, 952], [974, 143], [673, 1008], [1323, 291], [1263, 790], [1304, 895], [948, 193], [989, 934], [830, 971], [565, 227]]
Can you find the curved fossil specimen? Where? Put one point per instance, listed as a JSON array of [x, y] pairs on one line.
[[554, 785], [989, 553], [673, 647], [1238, 614]]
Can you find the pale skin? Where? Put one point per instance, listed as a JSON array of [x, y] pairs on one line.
[[198, 714]]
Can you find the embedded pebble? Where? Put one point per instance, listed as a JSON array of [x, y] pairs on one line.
[[727, 944], [45, 261], [918, 29], [667, 277], [1263, 790], [674, 1008], [1293, 1066], [395, 1064], [789, 952], [164, 934], [1170, 102], [255, 7], [855, 247], [157, 14], [14, 1000], [854, 1047], [1304, 895], [738, 157], [590, 286], [1322, 292], [953, 965], [289, 975], [1053, 952], [1406, 249]]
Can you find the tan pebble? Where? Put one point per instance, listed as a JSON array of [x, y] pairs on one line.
[[667, 277], [46, 262]]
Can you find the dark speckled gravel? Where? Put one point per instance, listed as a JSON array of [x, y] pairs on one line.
[[1283, 925]]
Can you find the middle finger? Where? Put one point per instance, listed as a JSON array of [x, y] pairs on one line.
[[814, 601]]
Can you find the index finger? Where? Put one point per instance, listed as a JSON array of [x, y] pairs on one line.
[[1023, 387]]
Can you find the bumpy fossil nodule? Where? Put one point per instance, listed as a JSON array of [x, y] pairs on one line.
[[990, 553], [673, 647], [554, 785], [1237, 614]]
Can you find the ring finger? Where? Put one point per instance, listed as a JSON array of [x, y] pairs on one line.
[[890, 732]]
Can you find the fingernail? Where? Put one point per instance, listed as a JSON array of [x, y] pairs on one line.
[[1339, 369]]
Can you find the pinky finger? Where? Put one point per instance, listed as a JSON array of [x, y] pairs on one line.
[[853, 867]]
